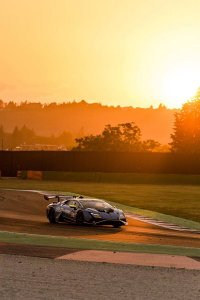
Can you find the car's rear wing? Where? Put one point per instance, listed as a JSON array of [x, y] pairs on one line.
[[49, 197], [58, 198]]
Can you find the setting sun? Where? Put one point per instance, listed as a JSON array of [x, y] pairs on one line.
[[126, 53], [179, 85]]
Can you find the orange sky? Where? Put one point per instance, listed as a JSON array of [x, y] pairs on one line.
[[130, 52]]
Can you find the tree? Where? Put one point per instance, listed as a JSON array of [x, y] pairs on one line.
[[65, 138], [2, 137], [111, 138], [123, 137], [26, 135], [186, 136], [150, 145], [89, 143], [131, 137], [2, 132], [11, 105], [15, 137], [1, 104]]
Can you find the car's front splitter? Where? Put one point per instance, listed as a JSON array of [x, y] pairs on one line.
[[107, 222]]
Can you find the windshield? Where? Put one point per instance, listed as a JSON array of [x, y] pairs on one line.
[[95, 204]]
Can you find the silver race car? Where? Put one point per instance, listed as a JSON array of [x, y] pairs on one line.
[[80, 210]]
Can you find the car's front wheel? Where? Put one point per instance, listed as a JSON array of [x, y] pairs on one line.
[[52, 216]]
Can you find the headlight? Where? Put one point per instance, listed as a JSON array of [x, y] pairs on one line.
[[121, 215], [95, 215]]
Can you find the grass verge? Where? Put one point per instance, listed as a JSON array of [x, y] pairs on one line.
[[122, 178], [165, 202], [75, 243]]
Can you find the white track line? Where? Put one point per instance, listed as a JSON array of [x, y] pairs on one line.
[[160, 223]]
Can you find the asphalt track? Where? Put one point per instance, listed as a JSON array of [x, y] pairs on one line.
[[34, 271], [25, 212], [25, 277]]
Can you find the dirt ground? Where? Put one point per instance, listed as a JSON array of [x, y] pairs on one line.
[[23, 278], [25, 212]]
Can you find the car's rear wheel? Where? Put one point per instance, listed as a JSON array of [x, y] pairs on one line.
[[80, 219], [52, 216]]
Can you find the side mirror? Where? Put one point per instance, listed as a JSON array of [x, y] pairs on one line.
[[46, 197]]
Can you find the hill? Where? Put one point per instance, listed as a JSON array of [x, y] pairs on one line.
[[82, 118]]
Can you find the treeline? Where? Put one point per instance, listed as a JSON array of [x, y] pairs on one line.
[[82, 118], [26, 105], [25, 138], [186, 132], [124, 137], [38, 106], [185, 136]]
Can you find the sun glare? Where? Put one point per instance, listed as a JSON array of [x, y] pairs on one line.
[[179, 85]]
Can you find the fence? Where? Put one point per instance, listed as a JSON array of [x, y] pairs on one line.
[[68, 161]]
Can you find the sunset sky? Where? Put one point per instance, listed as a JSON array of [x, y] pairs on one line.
[[128, 53]]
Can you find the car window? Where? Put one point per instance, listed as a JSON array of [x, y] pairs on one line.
[[95, 204], [77, 204], [66, 202]]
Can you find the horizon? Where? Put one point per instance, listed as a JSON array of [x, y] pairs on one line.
[[160, 105], [133, 53]]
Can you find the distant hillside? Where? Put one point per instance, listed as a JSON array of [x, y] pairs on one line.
[[81, 118]]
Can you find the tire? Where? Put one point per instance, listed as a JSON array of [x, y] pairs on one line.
[[80, 219], [51, 216]]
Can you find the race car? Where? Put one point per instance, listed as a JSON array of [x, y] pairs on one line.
[[81, 210]]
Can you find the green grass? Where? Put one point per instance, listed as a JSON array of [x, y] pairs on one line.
[[125, 178], [181, 201], [44, 240]]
